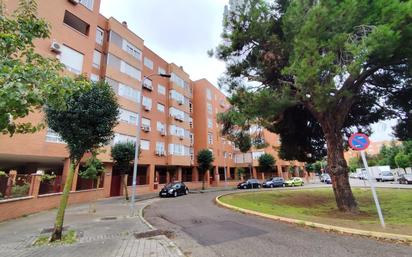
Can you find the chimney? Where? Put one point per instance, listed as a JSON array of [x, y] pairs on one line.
[[124, 24], [181, 67]]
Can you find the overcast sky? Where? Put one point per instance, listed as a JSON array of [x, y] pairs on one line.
[[180, 31]]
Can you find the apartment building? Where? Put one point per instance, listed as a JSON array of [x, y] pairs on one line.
[[178, 115]]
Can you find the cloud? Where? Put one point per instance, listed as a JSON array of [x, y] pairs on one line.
[[180, 31]]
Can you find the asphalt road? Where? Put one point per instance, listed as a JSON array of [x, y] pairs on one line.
[[203, 229]]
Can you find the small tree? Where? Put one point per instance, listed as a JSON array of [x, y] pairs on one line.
[[85, 124], [205, 159], [94, 169], [354, 163], [123, 155], [28, 80], [266, 162], [403, 160]]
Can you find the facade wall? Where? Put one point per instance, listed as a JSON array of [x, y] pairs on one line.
[[188, 110]]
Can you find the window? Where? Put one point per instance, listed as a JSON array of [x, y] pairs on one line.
[[97, 56], [94, 77], [208, 94], [146, 124], [176, 96], [128, 116], [72, 59], [144, 144], [76, 23], [161, 127], [210, 138], [121, 138], [209, 123], [148, 63], [99, 36], [130, 70], [147, 103], [87, 3], [177, 113], [129, 93], [53, 137], [177, 131], [177, 149], [209, 108], [160, 146], [177, 80], [161, 89], [160, 107], [190, 106], [131, 49], [191, 122], [116, 39], [161, 71]]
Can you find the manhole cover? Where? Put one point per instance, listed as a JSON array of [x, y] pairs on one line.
[[109, 218]]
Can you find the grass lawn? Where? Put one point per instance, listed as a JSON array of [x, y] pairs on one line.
[[318, 205]]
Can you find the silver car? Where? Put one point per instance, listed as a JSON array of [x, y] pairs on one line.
[[385, 176]]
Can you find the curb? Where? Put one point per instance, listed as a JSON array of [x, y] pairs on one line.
[[331, 228], [151, 227]]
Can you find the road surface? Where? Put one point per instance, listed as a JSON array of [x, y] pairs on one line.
[[203, 229]]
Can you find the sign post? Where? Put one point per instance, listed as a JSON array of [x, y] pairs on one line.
[[359, 142]]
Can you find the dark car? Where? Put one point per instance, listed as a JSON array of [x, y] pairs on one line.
[[405, 179], [274, 182], [250, 183], [174, 189]]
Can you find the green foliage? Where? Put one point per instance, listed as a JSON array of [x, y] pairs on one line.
[[403, 160], [316, 166], [354, 163], [205, 159], [88, 119], [266, 162], [3, 174], [93, 168], [387, 155], [241, 171], [20, 190], [316, 64], [68, 238], [47, 177], [123, 154], [28, 80]]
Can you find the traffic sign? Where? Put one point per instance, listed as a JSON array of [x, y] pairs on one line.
[[359, 141]]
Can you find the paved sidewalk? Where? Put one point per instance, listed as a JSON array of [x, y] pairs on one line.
[[108, 232]]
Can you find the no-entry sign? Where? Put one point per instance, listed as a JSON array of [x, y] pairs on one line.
[[359, 141]]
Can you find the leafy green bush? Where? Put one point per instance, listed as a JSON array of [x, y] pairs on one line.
[[20, 191]]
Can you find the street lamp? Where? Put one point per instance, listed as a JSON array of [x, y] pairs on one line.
[[137, 145]]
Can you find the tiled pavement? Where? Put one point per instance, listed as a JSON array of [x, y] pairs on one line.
[[108, 232]]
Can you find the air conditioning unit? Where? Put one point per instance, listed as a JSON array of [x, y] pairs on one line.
[[147, 86], [147, 108], [180, 102], [162, 132], [160, 153], [181, 137], [75, 2], [179, 117], [146, 128], [56, 47]]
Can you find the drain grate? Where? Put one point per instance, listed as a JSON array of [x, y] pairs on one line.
[[109, 218], [158, 232]]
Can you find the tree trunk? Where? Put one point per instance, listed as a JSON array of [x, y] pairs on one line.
[[203, 180], [124, 182], [58, 225], [338, 170]]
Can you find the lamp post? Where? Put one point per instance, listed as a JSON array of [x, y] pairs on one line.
[[137, 145]]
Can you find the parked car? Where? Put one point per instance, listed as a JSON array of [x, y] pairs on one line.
[[174, 189], [353, 175], [295, 181], [250, 183], [385, 176], [327, 179], [405, 179], [274, 182], [324, 176]]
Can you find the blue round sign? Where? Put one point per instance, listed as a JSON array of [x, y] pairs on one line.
[[359, 141]]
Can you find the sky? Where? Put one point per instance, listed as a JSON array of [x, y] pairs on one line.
[[179, 31], [182, 31]]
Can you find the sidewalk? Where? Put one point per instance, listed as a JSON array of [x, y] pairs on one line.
[[108, 232]]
